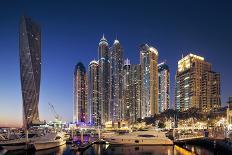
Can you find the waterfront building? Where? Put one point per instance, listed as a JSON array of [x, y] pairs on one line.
[[126, 107], [116, 81], [136, 92], [30, 69], [196, 85], [80, 94], [229, 113], [149, 72], [104, 79], [93, 95], [164, 87]]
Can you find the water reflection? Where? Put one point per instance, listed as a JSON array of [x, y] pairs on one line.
[[106, 149]]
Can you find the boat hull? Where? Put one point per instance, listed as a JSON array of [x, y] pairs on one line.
[[14, 146], [48, 145], [140, 142]]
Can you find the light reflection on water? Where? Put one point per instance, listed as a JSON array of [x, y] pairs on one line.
[[106, 149]]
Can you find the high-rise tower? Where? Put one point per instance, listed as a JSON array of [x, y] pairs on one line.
[[136, 92], [80, 94], [196, 85], [30, 69], [126, 107], [116, 81], [164, 87], [104, 79], [149, 72], [93, 95]]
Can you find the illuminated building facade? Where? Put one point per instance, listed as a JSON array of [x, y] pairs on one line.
[[149, 72], [196, 85], [136, 92], [104, 79], [94, 108], [80, 94], [116, 81], [210, 91], [30, 69], [229, 112], [126, 108], [164, 87]]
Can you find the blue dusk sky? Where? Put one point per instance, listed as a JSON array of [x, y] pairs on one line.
[[71, 31]]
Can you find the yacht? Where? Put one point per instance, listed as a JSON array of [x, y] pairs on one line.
[[50, 140], [150, 137]]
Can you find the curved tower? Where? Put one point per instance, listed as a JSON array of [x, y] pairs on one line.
[[80, 94], [30, 69]]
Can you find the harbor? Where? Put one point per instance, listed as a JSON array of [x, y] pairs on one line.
[[90, 141]]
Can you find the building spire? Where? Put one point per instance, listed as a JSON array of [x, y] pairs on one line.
[[116, 39], [103, 39]]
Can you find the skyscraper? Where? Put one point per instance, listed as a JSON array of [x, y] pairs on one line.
[[136, 92], [210, 91], [164, 87], [104, 79], [149, 72], [93, 95], [196, 85], [126, 107], [30, 69], [80, 94], [116, 81]]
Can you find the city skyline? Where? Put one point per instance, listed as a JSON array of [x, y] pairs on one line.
[[59, 56]]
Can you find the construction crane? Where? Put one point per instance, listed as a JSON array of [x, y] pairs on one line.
[[56, 115]]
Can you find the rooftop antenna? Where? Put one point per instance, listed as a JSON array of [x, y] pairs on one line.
[[116, 36]]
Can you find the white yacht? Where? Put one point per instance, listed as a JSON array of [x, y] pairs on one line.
[[150, 137], [50, 140]]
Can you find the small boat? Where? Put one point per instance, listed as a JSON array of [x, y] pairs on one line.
[[50, 140], [80, 147], [150, 137]]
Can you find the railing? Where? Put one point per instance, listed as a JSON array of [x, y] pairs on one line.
[[188, 137]]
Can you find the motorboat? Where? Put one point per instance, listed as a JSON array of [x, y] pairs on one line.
[[149, 137], [50, 140]]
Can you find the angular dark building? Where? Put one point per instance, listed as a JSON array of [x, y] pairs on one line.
[[104, 79], [127, 106], [30, 69], [136, 92]]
